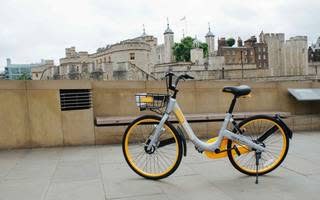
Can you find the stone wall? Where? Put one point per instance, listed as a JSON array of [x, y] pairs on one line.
[[31, 116]]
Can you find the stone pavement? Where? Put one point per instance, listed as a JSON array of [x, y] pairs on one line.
[[100, 172]]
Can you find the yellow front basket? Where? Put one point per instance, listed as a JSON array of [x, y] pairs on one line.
[[223, 147]]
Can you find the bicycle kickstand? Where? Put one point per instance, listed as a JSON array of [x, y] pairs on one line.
[[258, 156]]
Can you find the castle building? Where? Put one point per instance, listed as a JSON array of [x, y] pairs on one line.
[[287, 57], [249, 53], [112, 61], [45, 71], [142, 58], [261, 52], [237, 55]]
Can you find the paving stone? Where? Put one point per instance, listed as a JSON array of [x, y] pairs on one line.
[[100, 172], [32, 171], [23, 189], [76, 171], [79, 190]]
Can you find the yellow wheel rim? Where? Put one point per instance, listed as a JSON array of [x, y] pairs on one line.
[[275, 146], [161, 161]]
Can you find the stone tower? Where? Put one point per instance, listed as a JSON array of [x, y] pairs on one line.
[[168, 45], [261, 37], [196, 53], [296, 56], [275, 43], [210, 42], [239, 41]]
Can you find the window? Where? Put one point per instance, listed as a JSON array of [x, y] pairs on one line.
[[37, 75], [259, 57], [109, 59], [264, 57], [264, 49], [251, 52], [245, 53], [259, 49], [132, 56], [104, 59]]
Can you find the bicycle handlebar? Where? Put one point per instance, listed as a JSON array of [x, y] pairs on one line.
[[172, 86]]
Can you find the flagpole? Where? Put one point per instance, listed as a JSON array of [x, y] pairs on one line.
[[185, 25]]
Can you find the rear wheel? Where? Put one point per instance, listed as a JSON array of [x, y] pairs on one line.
[[267, 132], [161, 160]]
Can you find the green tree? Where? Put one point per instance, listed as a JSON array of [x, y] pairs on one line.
[[24, 76], [181, 50], [230, 42]]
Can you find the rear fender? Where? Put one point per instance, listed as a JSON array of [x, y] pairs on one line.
[[286, 128]]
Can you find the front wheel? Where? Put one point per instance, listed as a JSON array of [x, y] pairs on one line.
[[267, 132], [162, 159]]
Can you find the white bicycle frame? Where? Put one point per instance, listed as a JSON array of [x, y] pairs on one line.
[[201, 146]]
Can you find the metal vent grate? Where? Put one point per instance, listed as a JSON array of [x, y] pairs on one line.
[[75, 99]]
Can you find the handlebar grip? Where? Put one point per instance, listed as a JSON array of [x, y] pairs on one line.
[[186, 76], [169, 74]]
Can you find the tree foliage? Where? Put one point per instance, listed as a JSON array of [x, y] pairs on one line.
[[24, 76], [182, 49], [231, 42]]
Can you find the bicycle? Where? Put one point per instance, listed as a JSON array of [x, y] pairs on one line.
[[153, 147]]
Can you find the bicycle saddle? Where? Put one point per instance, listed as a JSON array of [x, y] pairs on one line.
[[238, 90]]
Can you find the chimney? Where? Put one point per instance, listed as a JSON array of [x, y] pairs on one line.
[[8, 61]]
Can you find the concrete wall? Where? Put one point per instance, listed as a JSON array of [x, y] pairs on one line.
[[31, 117], [116, 98]]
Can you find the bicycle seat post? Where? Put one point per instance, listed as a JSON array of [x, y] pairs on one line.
[[233, 103]]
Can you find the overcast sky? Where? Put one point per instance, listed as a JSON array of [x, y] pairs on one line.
[[35, 29]]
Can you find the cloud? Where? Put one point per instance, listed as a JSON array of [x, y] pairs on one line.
[[35, 29]]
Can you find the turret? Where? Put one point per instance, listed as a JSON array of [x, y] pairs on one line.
[[240, 43], [196, 53], [8, 61], [261, 37], [168, 44], [210, 42]]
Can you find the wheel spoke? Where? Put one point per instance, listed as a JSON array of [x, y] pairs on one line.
[[265, 132], [156, 161]]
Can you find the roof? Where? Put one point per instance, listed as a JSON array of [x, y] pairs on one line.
[[209, 34], [305, 94], [168, 30]]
